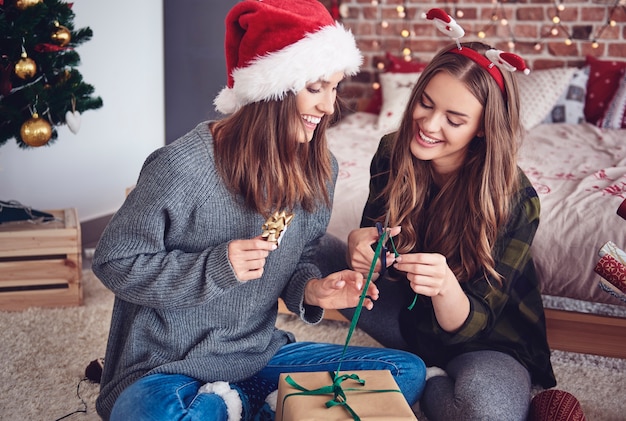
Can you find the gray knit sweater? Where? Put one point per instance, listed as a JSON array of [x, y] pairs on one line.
[[179, 307]]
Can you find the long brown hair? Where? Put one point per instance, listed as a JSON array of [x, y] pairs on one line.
[[460, 219], [259, 157]]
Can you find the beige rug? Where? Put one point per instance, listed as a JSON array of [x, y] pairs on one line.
[[45, 353]]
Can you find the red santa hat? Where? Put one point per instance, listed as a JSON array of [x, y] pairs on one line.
[[276, 46]]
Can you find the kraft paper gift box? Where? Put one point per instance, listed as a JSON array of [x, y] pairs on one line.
[[378, 399]]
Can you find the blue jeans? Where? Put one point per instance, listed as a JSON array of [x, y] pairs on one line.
[[175, 397]]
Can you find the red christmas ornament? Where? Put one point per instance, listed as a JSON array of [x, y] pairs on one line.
[[50, 48]]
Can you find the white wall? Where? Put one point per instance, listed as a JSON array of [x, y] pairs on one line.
[[90, 171]]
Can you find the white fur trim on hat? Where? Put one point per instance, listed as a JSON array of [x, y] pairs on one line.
[[231, 398], [316, 56]]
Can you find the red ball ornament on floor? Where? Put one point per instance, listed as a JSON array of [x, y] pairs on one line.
[[555, 405]]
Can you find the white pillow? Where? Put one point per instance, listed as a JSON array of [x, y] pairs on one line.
[[539, 91], [570, 107], [396, 90]]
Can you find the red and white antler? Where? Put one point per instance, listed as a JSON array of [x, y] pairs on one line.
[[507, 61], [445, 23]]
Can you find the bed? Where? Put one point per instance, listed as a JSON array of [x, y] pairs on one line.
[[579, 171]]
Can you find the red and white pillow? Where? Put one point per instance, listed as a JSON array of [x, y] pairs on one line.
[[393, 64], [396, 83], [570, 107], [396, 90], [615, 114], [539, 92], [604, 81]]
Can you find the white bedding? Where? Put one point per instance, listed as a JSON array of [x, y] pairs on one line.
[[579, 172]]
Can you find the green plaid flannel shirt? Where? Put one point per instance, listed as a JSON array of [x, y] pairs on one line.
[[507, 318]]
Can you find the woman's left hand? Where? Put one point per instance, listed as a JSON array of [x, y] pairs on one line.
[[339, 290], [428, 273]]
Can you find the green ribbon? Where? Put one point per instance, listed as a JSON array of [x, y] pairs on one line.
[[395, 252], [335, 389], [339, 395], [359, 307]]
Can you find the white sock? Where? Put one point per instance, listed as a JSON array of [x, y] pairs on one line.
[[434, 371], [231, 398], [271, 400]]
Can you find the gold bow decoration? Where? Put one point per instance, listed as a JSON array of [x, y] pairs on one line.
[[275, 226]]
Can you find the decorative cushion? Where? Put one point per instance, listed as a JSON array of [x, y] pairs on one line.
[[570, 107], [604, 78], [393, 64], [555, 405], [396, 89], [615, 114], [397, 64], [539, 92]]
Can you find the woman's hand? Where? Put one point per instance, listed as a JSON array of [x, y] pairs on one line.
[[339, 290], [430, 275], [360, 252], [247, 257]]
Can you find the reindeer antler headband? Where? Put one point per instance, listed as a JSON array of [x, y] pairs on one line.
[[494, 61]]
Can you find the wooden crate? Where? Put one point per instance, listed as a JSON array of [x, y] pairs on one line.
[[41, 262]]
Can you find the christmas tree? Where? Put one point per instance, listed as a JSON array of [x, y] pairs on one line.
[[40, 87]]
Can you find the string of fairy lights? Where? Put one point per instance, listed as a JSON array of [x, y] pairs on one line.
[[499, 23]]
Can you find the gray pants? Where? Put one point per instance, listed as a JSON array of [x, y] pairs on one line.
[[480, 386]]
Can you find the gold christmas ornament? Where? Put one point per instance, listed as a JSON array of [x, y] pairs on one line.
[[61, 35], [25, 4], [36, 131], [25, 68]]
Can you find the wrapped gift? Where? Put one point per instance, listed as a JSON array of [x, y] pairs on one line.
[[612, 268], [613, 271], [370, 395]]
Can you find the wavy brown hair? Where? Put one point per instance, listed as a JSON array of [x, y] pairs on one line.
[[258, 156], [460, 219]]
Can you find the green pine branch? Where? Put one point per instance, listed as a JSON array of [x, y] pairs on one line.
[[58, 86]]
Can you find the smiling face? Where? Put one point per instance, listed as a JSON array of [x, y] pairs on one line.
[[446, 119], [315, 101]]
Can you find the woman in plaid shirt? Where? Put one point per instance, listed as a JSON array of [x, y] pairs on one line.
[[462, 217]]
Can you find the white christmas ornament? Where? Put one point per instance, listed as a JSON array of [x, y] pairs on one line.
[[72, 118]]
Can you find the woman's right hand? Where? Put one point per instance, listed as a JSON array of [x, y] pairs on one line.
[[247, 257], [361, 253]]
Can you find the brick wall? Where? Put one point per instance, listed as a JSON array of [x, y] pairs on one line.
[[529, 25]]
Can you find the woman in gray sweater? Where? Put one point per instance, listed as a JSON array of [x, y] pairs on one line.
[[197, 255]]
